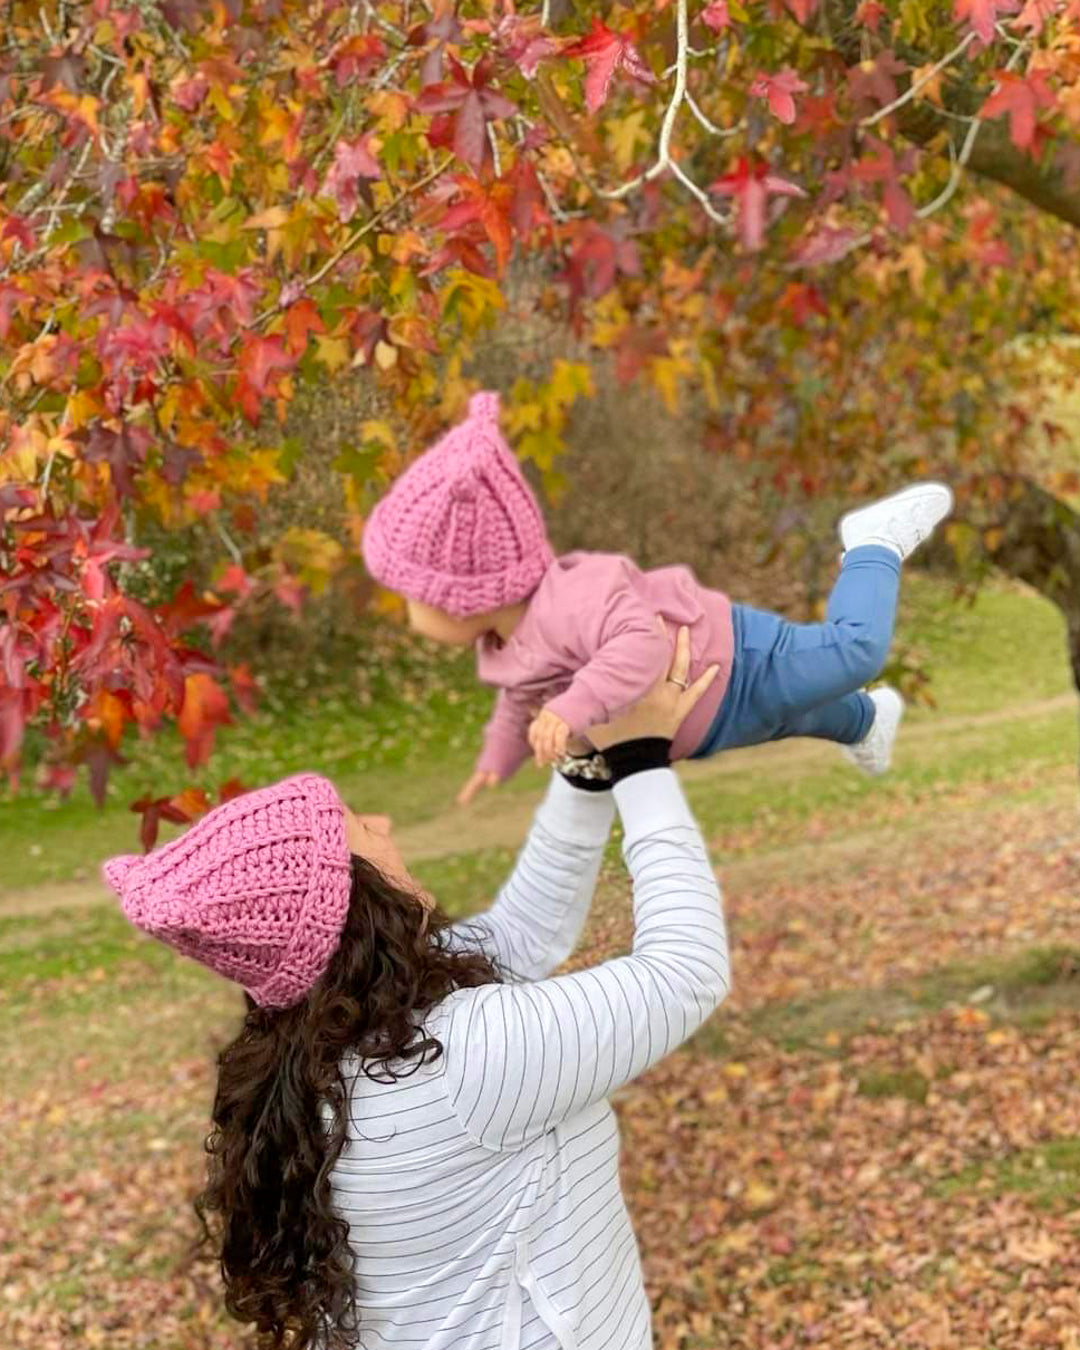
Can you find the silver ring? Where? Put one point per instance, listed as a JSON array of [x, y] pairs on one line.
[[683, 684]]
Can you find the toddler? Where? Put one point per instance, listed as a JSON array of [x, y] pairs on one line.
[[571, 641]]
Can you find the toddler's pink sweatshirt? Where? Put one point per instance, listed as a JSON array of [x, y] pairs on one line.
[[589, 646]]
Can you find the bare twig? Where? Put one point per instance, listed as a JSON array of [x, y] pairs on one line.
[[960, 161], [664, 160], [360, 233], [918, 84], [230, 543], [495, 156], [709, 126]]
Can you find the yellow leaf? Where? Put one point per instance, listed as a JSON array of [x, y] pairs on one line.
[[83, 408], [569, 381], [389, 107], [220, 100], [106, 713], [524, 417], [931, 89], [376, 430], [385, 355], [140, 92], [276, 125], [733, 1069], [665, 373], [332, 352], [624, 136], [273, 218], [759, 1196]]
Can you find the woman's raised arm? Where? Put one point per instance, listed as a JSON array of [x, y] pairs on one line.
[[521, 1058], [538, 915]]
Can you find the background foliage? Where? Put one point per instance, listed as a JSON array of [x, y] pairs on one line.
[[235, 235]]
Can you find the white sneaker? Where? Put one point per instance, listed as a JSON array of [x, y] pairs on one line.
[[901, 522], [873, 754]]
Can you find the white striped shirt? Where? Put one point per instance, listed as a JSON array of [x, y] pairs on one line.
[[482, 1193]]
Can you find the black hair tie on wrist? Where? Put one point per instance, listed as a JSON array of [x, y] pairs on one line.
[[588, 773], [637, 756]]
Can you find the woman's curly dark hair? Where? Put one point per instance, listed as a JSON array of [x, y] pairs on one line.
[[280, 1113]]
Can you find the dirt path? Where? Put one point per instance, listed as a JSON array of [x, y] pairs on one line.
[[500, 821]]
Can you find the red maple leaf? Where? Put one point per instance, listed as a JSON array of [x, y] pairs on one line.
[[802, 9], [605, 52], [1021, 96], [779, 90], [597, 259], [751, 185], [467, 105], [18, 227], [204, 709], [1034, 15], [882, 166], [486, 207], [827, 244], [870, 13], [520, 39], [260, 361], [982, 15], [352, 161], [872, 81], [356, 57], [716, 16], [301, 320]]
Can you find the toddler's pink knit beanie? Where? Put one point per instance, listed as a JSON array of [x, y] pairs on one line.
[[258, 889], [460, 530]]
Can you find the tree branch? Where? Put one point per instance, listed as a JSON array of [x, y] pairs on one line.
[[992, 155]]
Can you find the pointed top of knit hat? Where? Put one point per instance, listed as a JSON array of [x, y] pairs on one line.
[[258, 889], [461, 530]]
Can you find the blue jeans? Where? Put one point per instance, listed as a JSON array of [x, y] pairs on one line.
[[805, 679]]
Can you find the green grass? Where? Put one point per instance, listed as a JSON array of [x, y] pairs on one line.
[[1024, 988], [1007, 647], [909, 1084], [82, 943], [1048, 1175], [406, 751], [1036, 747], [462, 881]]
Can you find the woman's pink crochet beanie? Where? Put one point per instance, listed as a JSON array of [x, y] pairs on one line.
[[460, 530], [258, 889]]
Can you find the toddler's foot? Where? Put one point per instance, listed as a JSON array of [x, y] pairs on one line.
[[899, 522], [873, 754]]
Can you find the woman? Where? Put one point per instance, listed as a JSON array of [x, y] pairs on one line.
[[412, 1142]]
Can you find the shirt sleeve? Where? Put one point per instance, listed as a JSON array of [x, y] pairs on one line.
[[614, 633], [539, 913], [506, 738], [519, 1059]]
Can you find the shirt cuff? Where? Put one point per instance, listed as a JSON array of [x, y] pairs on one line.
[[576, 817], [650, 803]]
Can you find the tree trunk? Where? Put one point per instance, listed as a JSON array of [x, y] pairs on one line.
[[1035, 537]]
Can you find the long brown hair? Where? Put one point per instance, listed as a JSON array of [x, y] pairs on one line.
[[280, 1112]]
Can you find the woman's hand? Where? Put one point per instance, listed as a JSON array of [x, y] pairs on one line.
[[664, 708]]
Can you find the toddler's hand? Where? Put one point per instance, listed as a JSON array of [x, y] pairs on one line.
[[476, 783], [548, 735]]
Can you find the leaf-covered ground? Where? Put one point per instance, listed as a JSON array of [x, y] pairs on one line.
[[876, 1142]]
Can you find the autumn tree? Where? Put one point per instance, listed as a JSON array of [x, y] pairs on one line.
[[830, 220]]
